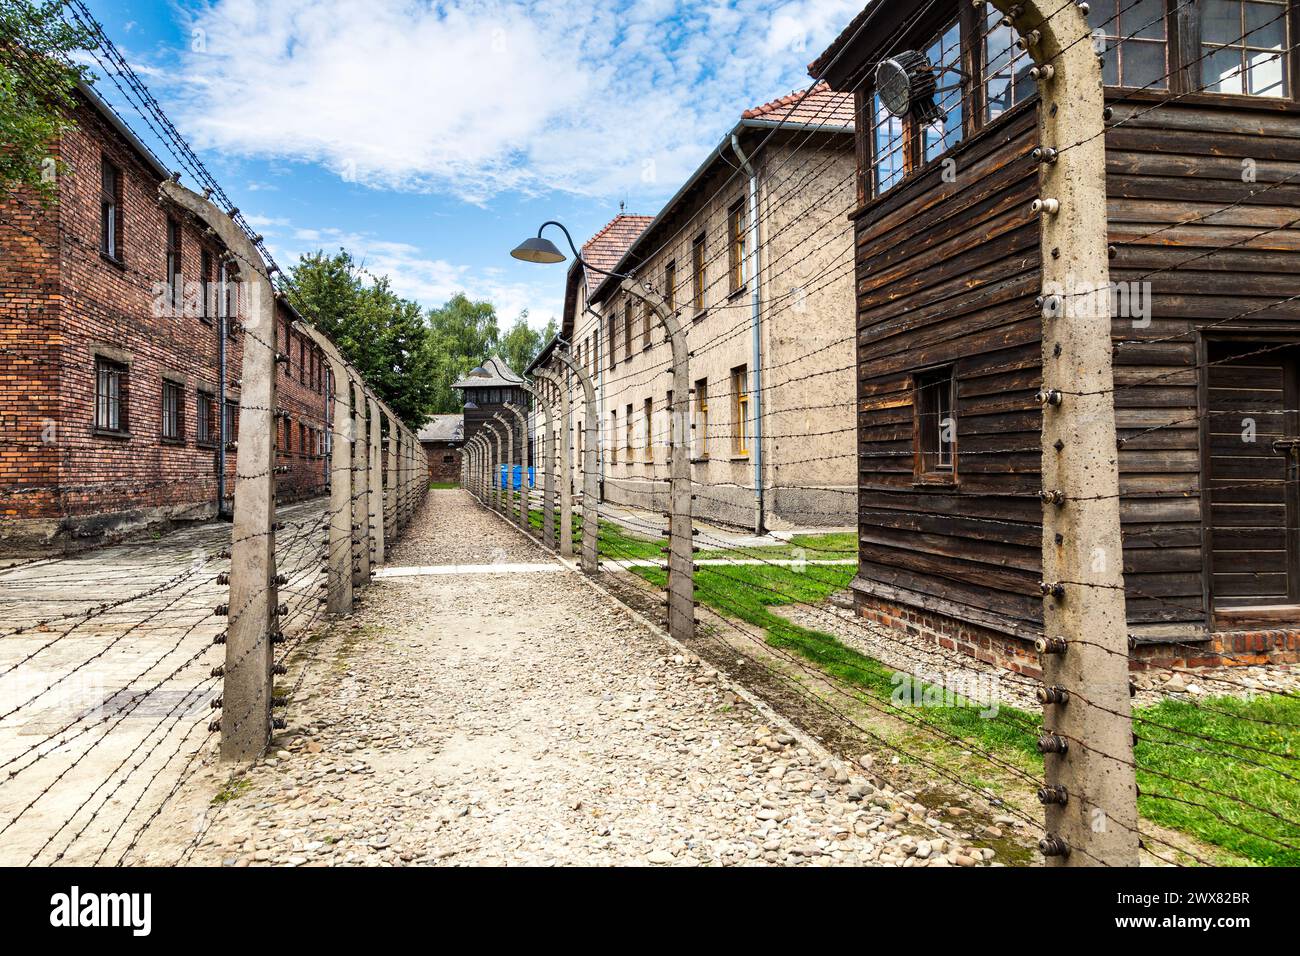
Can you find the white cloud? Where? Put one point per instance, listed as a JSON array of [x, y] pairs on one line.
[[414, 275], [477, 97]]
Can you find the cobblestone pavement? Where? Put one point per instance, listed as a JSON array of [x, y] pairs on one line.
[[106, 664], [525, 718]]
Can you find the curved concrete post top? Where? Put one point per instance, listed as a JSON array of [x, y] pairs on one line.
[[548, 405], [229, 234], [588, 389]]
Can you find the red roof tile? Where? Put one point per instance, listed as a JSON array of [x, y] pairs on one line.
[[606, 248], [820, 107]]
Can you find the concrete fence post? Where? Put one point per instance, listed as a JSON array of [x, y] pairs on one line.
[[681, 541], [1090, 794], [590, 479], [494, 465], [251, 608], [339, 556], [360, 489], [565, 503], [390, 483], [376, 483], [508, 482], [548, 457], [524, 514]]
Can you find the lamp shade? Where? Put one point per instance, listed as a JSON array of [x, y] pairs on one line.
[[537, 249]]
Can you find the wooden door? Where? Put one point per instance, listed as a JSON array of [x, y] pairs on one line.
[[1253, 463]]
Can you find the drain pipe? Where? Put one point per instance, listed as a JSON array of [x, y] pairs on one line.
[[756, 327]]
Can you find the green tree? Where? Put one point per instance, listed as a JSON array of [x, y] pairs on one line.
[[37, 80], [521, 343], [463, 334], [385, 336]]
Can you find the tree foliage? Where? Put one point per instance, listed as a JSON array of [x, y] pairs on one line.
[[385, 336], [37, 80], [409, 358]]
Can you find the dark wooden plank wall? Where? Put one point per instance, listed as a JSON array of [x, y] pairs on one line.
[[948, 273], [1167, 165]]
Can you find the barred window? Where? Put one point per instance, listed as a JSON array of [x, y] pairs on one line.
[[110, 395], [173, 410], [110, 210], [935, 424], [205, 419]]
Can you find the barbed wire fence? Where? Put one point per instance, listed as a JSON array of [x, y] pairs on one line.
[[1090, 743], [125, 669]]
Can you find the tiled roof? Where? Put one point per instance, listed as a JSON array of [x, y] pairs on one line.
[[606, 247], [443, 428], [821, 107], [500, 375]]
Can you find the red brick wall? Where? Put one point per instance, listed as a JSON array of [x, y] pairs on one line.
[[95, 306], [1225, 648], [440, 470]]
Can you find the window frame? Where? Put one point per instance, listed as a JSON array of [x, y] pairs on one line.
[[670, 284], [110, 211], [698, 273], [701, 422], [737, 240], [927, 465], [119, 373], [647, 426], [175, 271], [740, 411], [175, 416], [205, 418]]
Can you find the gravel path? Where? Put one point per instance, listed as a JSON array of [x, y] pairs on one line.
[[525, 718]]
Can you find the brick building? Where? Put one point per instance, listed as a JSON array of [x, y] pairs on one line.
[[442, 438], [120, 355]]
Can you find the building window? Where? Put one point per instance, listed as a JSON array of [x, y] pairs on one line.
[[627, 327], [647, 426], [173, 410], [702, 418], [1244, 47], [1132, 43], [627, 436], [697, 273], [646, 317], [945, 53], [613, 438], [889, 145], [613, 338], [231, 420], [175, 284], [206, 307], [206, 419], [110, 396], [935, 424], [110, 210], [670, 285], [740, 410], [736, 236], [303, 447], [670, 412], [1006, 67]]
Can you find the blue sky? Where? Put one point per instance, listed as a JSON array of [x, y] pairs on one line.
[[429, 138]]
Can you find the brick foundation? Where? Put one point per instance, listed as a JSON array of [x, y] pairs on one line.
[[1224, 648]]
